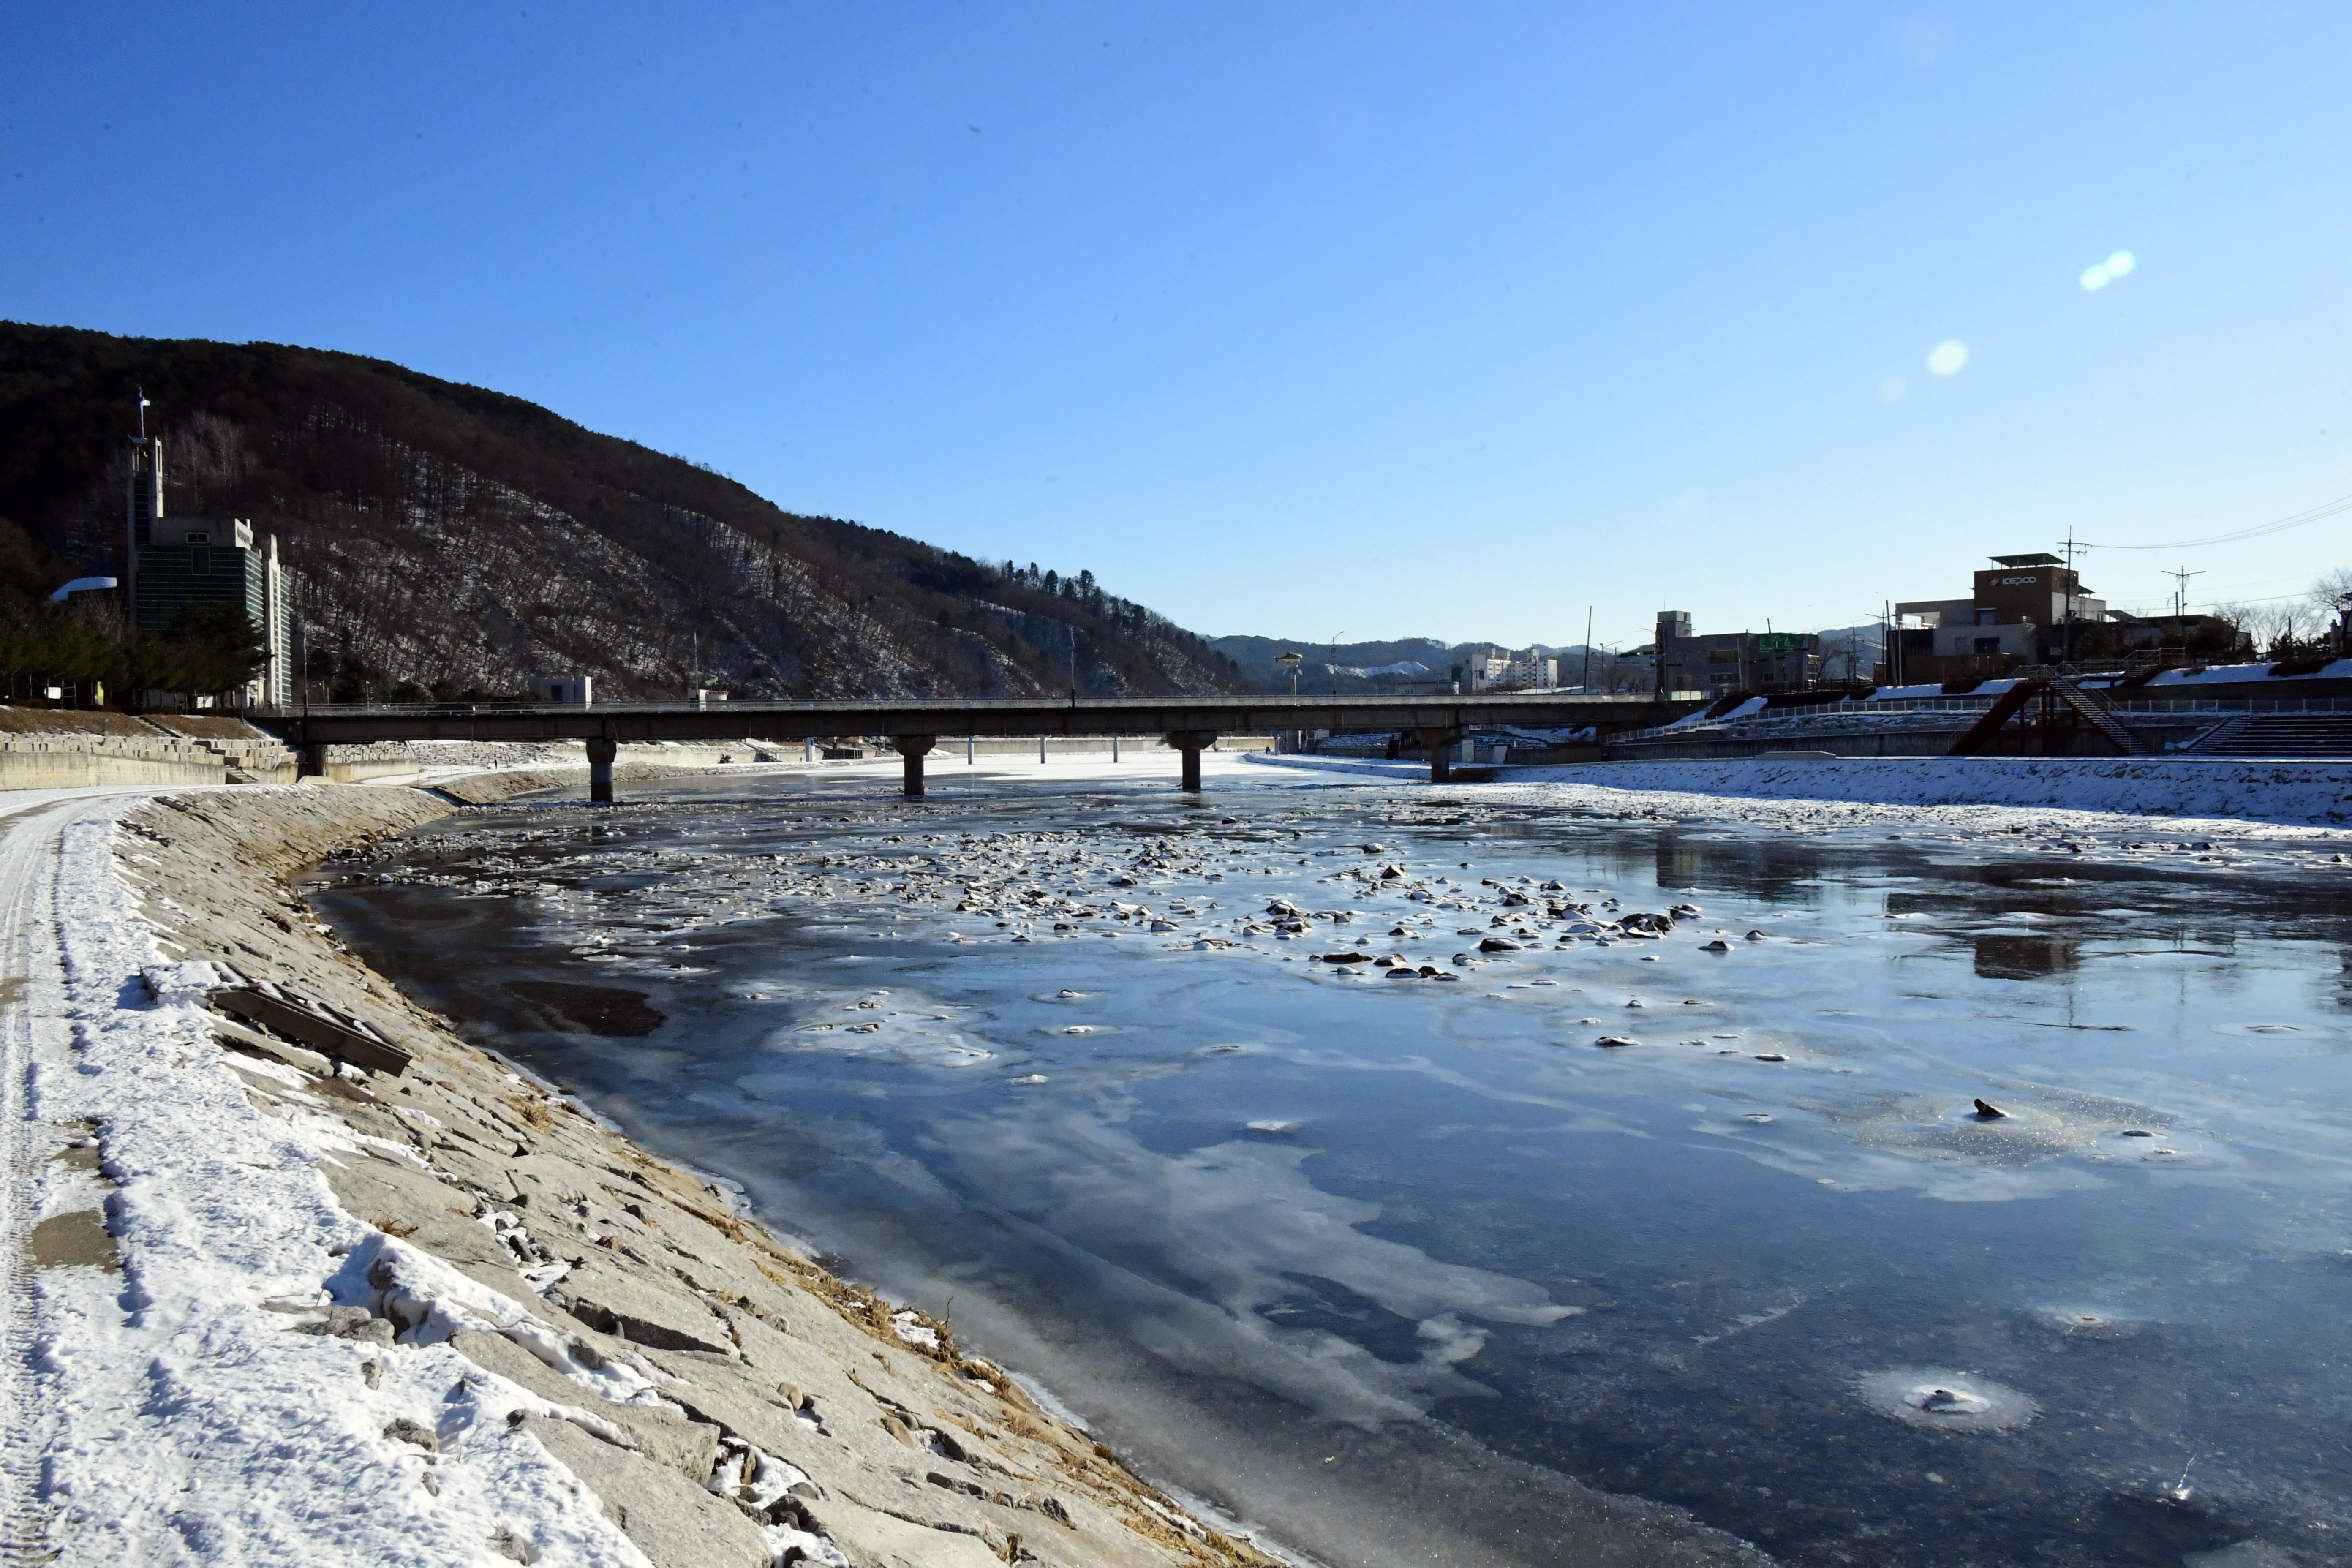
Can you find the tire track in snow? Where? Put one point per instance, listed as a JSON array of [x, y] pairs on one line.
[[27, 864], [31, 990]]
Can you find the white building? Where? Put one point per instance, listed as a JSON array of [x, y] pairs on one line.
[[1497, 669]]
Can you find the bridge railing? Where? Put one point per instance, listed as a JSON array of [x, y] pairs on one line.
[[851, 706]]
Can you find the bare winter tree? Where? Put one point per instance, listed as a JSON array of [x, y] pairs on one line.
[[206, 462], [2330, 604], [2277, 629]]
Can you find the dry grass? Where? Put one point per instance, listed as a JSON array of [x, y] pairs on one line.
[[72, 722]]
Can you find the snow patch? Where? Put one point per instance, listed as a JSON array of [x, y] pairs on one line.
[[179, 1409]]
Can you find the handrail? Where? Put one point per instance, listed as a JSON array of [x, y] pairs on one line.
[[851, 705]]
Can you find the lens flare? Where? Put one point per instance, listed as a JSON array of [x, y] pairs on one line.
[[1892, 389], [2099, 274], [1948, 357]]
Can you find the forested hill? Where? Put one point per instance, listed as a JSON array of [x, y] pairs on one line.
[[452, 541]]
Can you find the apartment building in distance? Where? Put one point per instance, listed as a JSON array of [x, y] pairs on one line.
[[1499, 670]]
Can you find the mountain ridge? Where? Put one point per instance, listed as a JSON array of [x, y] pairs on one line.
[[451, 541]]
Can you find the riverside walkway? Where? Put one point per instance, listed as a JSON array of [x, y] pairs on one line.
[[1188, 724]]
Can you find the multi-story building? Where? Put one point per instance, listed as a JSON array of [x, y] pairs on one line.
[[1497, 669], [1531, 669], [2025, 609], [180, 563], [1717, 662]]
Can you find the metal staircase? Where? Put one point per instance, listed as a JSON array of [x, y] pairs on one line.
[[2052, 689]]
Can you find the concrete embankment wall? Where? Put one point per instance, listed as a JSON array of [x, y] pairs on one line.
[[253, 755], [366, 770], [912, 1450], [80, 762], [57, 748]]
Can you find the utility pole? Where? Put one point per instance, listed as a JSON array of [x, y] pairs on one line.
[[1587, 685], [2072, 596], [2180, 593]]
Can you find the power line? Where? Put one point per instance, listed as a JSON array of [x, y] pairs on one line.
[[2272, 599], [2324, 510]]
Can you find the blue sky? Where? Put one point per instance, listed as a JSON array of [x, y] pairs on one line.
[[1361, 319]]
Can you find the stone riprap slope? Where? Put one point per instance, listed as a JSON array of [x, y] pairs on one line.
[[724, 1400]]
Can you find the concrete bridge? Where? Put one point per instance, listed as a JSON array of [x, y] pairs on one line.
[[1188, 724]]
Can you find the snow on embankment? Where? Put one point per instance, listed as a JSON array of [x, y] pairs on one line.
[[313, 1314], [187, 1422], [2304, 793], [2315, 793]]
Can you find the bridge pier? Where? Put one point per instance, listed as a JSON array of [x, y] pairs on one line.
[[1440, 744], [912, 747], [601, 752], [314, 759], [1191, 743]]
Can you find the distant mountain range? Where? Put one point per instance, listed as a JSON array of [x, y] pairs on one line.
[[1406, 663], [451, 541], [1399, 664]]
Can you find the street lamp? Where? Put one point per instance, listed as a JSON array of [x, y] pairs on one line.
[[1291, 661]]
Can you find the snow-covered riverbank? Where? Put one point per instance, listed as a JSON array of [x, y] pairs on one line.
[[2235, 793], [268, 1310]]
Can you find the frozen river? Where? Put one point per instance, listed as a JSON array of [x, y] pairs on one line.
[[1421, 1270]]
